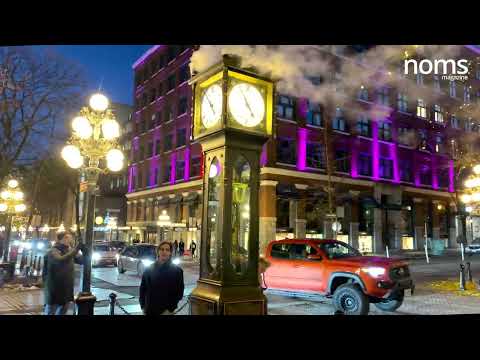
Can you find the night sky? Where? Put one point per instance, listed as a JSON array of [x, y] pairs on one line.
[[112, 63]]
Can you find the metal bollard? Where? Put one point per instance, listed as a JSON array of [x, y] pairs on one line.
[[113, 300], [462, 277], [469, 271]]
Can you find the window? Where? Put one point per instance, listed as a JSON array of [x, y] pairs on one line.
[[468, 125], [181, 137], [182, 105], [383, 97], [168, 113], [150, 149], [436, 83], [142, 153], [423, 140], [315, 156], [405, 136], [454, 148], [453, 89], [439, 143], [161, 62], [166, 172], [157, 147], [281, 251], [477, 74], [172, 79], [425, 175], [180, 170], [454, 122], [421, 109], [168, 142], [363, 93], [386, 168], [466, 94], [406, 170], [342, 163], [153, 121], [419, 79], [158, 118], [365, 165], [402, 102], [287, 151], [314, 115], [385, 131], [172, 53], [155, 177], [153, 95], [285, 107], [336, 250], [443, 178], [195, 166], [364, 127], [139, 179], [144, 100], [184, 73], [339, 122], [438, 113]]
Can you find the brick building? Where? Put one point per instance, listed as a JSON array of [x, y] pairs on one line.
[[393, 175]]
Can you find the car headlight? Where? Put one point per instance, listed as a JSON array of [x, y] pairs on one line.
[[374, 271], [28, 246], [40, 246], [176, 261], [96, 256], [147, 262]]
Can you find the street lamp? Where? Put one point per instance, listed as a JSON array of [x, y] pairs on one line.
[[163, 222], [95, 134], [11, 203]]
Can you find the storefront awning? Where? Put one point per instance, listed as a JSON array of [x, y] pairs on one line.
[[191, 197], [369, 202], [163, 201]]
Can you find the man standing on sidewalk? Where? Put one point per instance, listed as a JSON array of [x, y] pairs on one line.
[[60, 274]]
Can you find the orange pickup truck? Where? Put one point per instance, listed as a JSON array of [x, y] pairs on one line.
[[335, 269]]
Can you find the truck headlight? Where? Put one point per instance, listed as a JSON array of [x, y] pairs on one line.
[[96, 256], [147, 262], [40, 246], [374, 271]]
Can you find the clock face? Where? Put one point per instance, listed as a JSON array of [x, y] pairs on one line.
[[212, 106], [246, 105]]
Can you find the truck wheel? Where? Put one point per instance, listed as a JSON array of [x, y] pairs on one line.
[[350, 300], [393, 304]]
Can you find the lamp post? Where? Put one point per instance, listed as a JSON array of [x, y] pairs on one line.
[[95, 134], [11, 203], [163, 222]]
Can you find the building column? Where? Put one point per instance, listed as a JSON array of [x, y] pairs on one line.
[[354, 219], [377, 245], [267, 213], [452, 234], [300, 220], [129, 211], [420, 214], [436, 220]]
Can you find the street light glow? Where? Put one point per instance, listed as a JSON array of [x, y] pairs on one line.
[[18, 195], [20, 207], [476, 169], [12, 183], [82, 127], [110, 129], [3, 207], [99, 102], [115, 160]]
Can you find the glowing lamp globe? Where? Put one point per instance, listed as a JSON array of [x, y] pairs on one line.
[[18, 195], [5, 195], [82, 127], [213, 171], [99, 102], [115, 160], [476, 196], [75, 163], [20, 207], [12, 184], [99, 220], [476, 169], [3, 207], [466, 198], [469, 209], [69, 152], [110, 129]]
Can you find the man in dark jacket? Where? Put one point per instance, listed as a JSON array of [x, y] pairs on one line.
[[181, 248], [60, 275], [162, 284]]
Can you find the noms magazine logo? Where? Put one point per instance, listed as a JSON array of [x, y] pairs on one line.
[[449, 69]]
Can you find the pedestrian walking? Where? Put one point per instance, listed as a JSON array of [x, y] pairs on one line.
[[193, 247], [162, 284], [175, 248], [59, 274], [181, 248]]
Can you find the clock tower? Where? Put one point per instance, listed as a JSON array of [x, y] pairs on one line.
[[233, 110]]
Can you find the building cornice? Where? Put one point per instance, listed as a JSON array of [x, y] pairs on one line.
[[165, 189]]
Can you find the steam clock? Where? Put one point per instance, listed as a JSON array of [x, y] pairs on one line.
[[233, 111]]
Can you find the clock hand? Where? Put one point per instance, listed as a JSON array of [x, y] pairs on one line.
[[246, 103], [211, 105]]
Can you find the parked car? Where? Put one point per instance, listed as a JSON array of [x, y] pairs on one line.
[[103, 254], [335, 269], [136, 258], [117, 245], [473, 248]]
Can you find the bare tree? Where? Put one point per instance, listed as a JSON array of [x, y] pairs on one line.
[[38, 89]]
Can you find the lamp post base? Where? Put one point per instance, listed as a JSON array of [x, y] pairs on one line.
[[85, 303], [210, 298]]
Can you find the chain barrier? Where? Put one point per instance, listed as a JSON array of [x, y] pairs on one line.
[[114, 301]]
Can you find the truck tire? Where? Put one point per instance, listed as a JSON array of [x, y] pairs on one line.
[[350, 300], [393, 304]]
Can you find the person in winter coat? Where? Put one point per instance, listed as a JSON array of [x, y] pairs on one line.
[[162, 284], [175, 248], [193, 247], [181, 248], [59, 274]]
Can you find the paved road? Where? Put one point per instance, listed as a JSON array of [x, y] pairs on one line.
[[424, 301]]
